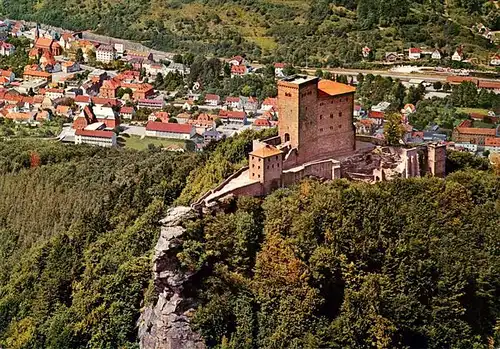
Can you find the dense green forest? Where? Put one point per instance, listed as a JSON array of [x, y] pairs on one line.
[[77, 225], [407, 264], [323, 32]]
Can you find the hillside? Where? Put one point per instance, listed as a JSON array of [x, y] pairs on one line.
[[319, 31], [411, 263]]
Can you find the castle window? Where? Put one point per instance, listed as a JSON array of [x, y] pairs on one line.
[[276, 157], [272, 165], [253, 165], [340, 126], [258, 168], [278, 164], [331, 127], [331, 116], [259, 176], [268, 167], [340, 114], [321, 117], [320, 130], [253, 174]]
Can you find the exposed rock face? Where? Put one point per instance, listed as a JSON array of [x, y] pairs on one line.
[[165, 324]]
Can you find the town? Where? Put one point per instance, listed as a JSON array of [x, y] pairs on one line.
[[83, 91]]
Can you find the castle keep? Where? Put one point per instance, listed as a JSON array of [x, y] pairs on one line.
[[316, 138]]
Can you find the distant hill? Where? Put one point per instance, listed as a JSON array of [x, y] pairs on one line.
[[323, 31]]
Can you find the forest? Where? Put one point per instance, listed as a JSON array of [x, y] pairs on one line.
[[406, 264], [313, 32]]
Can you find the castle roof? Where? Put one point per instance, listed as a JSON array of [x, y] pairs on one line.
[[333, 88], [266, 151]]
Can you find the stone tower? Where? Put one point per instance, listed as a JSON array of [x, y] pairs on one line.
[[436, 159], [316, 117]]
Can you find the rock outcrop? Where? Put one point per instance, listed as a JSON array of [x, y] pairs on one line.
[[165, 324]]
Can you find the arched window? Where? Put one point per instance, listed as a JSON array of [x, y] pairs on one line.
[[287, 137]]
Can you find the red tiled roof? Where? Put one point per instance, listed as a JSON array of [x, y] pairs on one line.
[[238, 69], [489, 84], [238, 59], [415, 50], [82, 99], [126, 110], [333, 88], [270, 101], [102, 101], [232, 114], [460, 79], [279, 65], [212, 97], [97, 133], [376, 114], [262, 122], [492, 142], [232, 99], [168, 127], [477, 131], [40, 74]]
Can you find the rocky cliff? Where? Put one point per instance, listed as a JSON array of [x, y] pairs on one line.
[[165, 324]]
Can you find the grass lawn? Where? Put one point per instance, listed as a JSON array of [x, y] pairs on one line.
[[473, 110], [481, 124], [135, 142], [265, 42]]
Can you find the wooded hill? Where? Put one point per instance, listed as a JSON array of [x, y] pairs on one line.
[[322, 31], [406, 264]]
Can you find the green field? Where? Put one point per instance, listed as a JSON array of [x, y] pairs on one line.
[[135, 142], [473, 110]]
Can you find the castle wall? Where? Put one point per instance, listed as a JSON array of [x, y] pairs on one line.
[[328, 169], [436, 160]]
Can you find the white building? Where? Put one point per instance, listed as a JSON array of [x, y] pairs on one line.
[[6, 49], [105, 54], [119, 48], [169, 130], [436, 54], [414, 53], [495, 60], [54, 93], [98, 137], [457, 56]]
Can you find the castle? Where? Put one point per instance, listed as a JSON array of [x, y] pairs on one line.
[[316, 138]]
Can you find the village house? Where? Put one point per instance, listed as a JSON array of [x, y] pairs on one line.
[[127, 113], [8, 74], [66, 40], [105, 54], [391, 57], [99, 138], [238, 70], [141, 55], [414, 53], [107, 116], [232, 102], [489, 85], [261, 123], [249, 104], [457, 55], [466, 133], [169, 130], [160, 116], [52, 93], [6, 49], [278, 70], [237, 60], [377, 117], [211, 135], [203, 121], [47, 45], [436, 54], [82, 101], [495, 60], [492, 144], [233, 117], [212, 100], [188, 105], [269, 104], [31, 75], [70, 67], [64, 110], [365, 51], [151, 103], [176, 68]]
